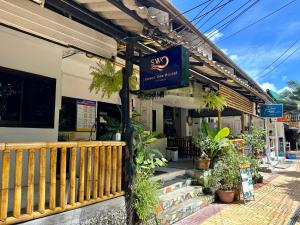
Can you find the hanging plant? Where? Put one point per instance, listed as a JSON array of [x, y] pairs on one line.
[[108, 80], [214, 101]]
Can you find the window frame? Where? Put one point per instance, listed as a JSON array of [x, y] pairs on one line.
[[25, 124]]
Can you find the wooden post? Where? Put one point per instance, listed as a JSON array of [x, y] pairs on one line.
[[88, 174], [52, 193], [101, 171], [95, 174], [108, 171], [119, 183], [73, 175], [219, 120], [127, 131], [18, 183], [4, 184], [81, 174], [243, 122], [30, 182], [42, 181], [62, 181], [114, 170]]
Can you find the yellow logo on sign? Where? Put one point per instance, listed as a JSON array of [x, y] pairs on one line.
[[159, 63]]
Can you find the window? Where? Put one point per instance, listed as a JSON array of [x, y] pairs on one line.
[[153, 120], [67, 114], [26, 100]]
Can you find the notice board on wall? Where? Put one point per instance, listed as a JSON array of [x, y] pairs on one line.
[[247, 182], [86, 114]]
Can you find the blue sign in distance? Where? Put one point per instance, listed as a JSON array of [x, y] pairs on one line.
[[165, 69], [271, 110]]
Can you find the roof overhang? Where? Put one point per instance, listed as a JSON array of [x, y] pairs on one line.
[[31, 18]]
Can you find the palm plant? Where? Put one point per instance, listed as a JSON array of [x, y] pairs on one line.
[[290, 98], [107, 79], [212, 141], [214, 101]]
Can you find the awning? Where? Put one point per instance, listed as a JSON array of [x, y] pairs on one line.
[[34, 19]]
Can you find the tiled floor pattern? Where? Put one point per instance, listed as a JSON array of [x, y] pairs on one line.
[[275, 203]]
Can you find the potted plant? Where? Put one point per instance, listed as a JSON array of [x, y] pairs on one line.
[[256, 139], [211, 142], [209, 187], [256, 176], [202, 162], [227, 175]]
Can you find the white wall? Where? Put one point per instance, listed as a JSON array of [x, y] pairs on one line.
[[26, 53], [159, 116], [234, 123]]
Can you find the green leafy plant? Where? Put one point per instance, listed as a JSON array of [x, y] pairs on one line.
[[147, 159], [212, 141], [256, 139], [107, 79], [214, 101], [227, 172], [146, 194], [112, 126]]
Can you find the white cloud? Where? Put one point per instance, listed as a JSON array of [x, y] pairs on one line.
[[269, 86], [283, 89], [214, 34], [253, 60], [284, 78], [232, 57]]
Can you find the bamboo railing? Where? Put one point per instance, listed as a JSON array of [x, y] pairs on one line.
[[40, 179]]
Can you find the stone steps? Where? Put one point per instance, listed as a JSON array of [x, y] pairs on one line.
[[178, 196], [175, 184], [184, 209], [179, 199]]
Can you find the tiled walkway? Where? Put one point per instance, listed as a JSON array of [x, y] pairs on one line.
[[275, 204]]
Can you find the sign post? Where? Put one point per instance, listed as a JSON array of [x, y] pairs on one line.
[[247, 182]]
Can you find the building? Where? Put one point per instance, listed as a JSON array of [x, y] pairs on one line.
[[48, 49]]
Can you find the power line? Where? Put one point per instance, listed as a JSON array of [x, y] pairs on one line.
[[226, 17], [270, 65], [198, 14], [257, 21], [187, 11], [222, 27], [208, 19], [283, 61], [206, 13]]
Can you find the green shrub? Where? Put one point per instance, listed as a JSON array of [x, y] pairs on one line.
[[146, 193]]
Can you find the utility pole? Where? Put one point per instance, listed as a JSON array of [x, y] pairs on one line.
[[127, 132]]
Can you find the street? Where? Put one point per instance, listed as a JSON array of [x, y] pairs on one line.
[[276, 202]]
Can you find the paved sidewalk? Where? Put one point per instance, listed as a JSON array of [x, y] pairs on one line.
[[275, 203]]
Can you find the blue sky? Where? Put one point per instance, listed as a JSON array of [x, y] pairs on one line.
[[258, 46]]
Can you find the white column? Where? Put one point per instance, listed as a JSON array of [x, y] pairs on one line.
[[276, 140]]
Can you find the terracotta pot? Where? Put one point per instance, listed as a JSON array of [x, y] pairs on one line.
[[202, 164], [260, 179], [237, 194], [226, 196]]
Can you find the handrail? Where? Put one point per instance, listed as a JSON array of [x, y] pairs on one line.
[[79, 174]]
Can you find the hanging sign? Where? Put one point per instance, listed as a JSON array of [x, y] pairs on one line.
[[166, 69], [271, 110], [247, 182], [289, 118], [86, 113]]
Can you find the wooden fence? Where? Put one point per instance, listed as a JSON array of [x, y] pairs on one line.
[[40, 179]]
